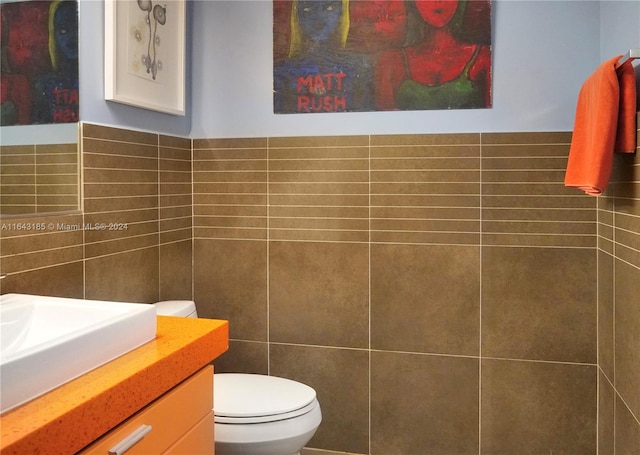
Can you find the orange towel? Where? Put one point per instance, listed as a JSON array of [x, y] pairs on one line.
[[626, 137], [598, 129]]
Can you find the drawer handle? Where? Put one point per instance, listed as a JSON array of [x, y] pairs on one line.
[[130, 440]]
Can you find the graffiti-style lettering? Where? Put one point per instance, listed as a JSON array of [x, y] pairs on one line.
[[320, 83], [66, 96], [65, 115], [328, 103]]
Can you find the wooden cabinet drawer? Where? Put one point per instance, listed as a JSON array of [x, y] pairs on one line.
[[199, 441], [171, 417]]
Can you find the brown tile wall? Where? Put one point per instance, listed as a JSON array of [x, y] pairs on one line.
[[42, 255], [175, 216], [131, 242], [439, 291], [38, 178], [619, 308]]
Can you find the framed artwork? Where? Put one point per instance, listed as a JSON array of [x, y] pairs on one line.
[[39, 67], [381, 55], [145, 54]]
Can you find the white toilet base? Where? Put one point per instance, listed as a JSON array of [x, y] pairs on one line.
[[284, 437]]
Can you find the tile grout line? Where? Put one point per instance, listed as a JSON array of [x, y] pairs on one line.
[[613, 322], [597, 327], [369, 276], [158, 214], [268, 236], [480, 311], [82, 211], [428, 354], [193, 231]]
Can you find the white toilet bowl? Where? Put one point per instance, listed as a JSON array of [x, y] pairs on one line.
[[257, 414], [263, 415]]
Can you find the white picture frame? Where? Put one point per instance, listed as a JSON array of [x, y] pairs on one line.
[[145, 54]]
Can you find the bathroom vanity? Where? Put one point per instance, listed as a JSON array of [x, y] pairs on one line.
[[175, 423], [141, 393]]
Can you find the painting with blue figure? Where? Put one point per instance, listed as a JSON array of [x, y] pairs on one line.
[[319, 74], [381, 55], [39, 62]]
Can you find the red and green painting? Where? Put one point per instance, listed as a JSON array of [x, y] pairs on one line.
[[381, 55], [39, 62]]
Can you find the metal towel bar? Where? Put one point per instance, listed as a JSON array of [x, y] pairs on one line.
[[631, 55]]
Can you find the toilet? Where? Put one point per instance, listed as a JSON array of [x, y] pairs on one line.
[[256, 414]]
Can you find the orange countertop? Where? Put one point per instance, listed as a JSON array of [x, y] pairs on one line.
[[75, 414]]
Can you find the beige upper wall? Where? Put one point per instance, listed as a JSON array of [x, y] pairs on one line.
[[537, 74]]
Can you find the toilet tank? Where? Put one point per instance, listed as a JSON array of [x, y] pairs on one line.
[[179, 308]]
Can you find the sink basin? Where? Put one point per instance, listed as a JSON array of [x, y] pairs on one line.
[[48, 341]]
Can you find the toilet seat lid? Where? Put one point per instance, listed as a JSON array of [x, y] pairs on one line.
[[240, 395]]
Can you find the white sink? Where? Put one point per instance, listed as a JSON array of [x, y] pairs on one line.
[[48, 341]]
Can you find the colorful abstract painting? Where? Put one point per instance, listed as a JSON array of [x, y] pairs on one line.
[[381, 55], [39, 62]]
